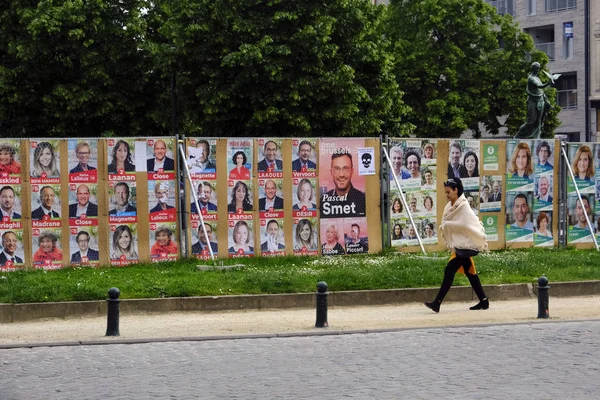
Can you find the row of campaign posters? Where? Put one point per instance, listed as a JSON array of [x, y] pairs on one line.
[[327, 209]]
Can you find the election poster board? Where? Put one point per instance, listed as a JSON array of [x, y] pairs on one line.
[[342, 197]]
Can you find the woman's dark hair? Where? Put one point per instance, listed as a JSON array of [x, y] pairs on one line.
[[245, 159], [476, 170], [394, 236], [455, 183], [128, 162], [237, 185]]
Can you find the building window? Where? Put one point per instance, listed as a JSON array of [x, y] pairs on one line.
[[531, 7], [566, 87], [543, 39], [503, 6], [560, 5], [568, 40]]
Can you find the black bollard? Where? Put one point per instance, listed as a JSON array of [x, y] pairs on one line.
[[112, 323], [543, 301], [321, 305]]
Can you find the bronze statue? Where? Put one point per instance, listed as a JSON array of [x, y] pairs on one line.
[[537, 104]]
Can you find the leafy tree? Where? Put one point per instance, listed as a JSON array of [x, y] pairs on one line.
[[76, 68], [455, 77], [276, 67]]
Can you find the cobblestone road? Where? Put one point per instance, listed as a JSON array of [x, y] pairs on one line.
[[533, 361]]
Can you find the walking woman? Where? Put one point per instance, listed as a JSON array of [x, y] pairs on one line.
[[463, 233]]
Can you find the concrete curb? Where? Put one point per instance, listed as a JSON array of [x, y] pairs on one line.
[[34, 311]]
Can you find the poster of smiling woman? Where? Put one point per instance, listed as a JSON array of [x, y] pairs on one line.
[[519, 166]]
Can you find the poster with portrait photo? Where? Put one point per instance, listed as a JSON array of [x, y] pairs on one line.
[[10, 205], [10, 161], [429, 153], [406, 157], [544, 157], [519, 217], [429, 228], [428, 178], [472, 197], [270, 198], [83, 160], [543, 192], [270, 164], [519, 166], [164, 242], [490, 197], [354, 240], [397, 230], [121, 159], [83, 202], [581, 160], [542, 221], [342, 191], [304, 158], [596, 148], [272, 241], [332, 239], [410, 232], [200, 246], [463, 162], [123, 240], [578, 230], [162, 201], [206, 194], [47, 248], [46, 203], [160, 157], [304, 194], [122, 204], [240, 198], [83, 246], [12, 254], [306, 236], [201, 158], [44, 156], [397, 209], [240, 241], [239, 158]]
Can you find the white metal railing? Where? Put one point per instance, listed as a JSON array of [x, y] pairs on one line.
[[567, 99], [547, 48]]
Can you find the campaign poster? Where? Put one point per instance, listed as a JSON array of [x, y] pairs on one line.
[[341, 189], [12, 254], [206, 194], [519, 166], [201, 247], [163, 242], [162, 201], [581, 160], [83, 203], [544, 157], [420, 204], [240, 238], [306, 236], [123, 244], [122, 206], [490, 225], [46, 205], [10, 161], [542, 221], [407, 163], [490, 197], [44, 157], [269, 154], [83, 246], [239, 158], [201, 159], [160, 158], [11, 205], [429, 229], [355, 241], [304, 197], [578, 230], [332, 239], [396, 205], [543, 188], [519, 217], [121, 159], [398, 231], [272, 241], [83, 160], [463, 162], [472, 197], [240, 199], [270, 198], [47, 248], [490, 157], [304, 158]]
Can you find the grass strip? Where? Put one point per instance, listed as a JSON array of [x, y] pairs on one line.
[[292, 275]]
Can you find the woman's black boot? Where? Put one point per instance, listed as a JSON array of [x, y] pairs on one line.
[[434, 305], [482, 305]]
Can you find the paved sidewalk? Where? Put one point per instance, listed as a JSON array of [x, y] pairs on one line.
[[197, 325]]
